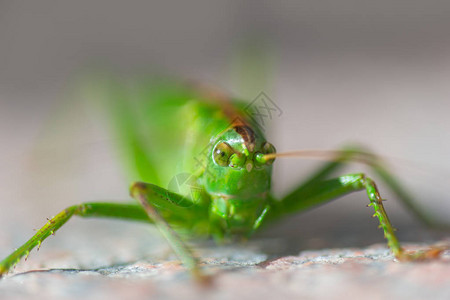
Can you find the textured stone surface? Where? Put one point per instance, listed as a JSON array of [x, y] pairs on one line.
[[245, 272]]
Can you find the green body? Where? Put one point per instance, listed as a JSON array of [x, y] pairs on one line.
[[176, 129], [170, 134]]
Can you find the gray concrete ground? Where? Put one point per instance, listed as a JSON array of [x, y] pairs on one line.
[[252, 271]]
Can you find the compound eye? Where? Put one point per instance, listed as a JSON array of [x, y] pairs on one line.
[[268, 148], [222, 153]]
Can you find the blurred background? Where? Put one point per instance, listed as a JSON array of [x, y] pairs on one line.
[[371, 72]]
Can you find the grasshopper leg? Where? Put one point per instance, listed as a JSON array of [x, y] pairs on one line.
[[182, 216], [377, 165], [144, 193], [108, 210], [318, 192]]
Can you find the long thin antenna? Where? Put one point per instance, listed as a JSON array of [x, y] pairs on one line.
[[328, 155]]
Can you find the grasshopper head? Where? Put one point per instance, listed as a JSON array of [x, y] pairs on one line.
[[238, 177], [236, 166]]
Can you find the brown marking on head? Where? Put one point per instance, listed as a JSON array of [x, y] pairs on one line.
[[247, 134]]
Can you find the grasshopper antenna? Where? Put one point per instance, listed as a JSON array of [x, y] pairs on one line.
[[326, 155]]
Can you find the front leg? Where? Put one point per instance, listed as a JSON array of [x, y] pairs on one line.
[[124, 211], [179, 210], [319, 192], [148, 195]]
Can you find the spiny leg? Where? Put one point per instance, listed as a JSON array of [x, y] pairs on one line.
[[318, 192], [107, 210], [179, 210], [359, 154]]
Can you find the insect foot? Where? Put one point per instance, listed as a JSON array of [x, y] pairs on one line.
[[435, 252]]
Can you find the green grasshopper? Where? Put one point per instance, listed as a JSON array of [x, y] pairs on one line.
[[171, 133]]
